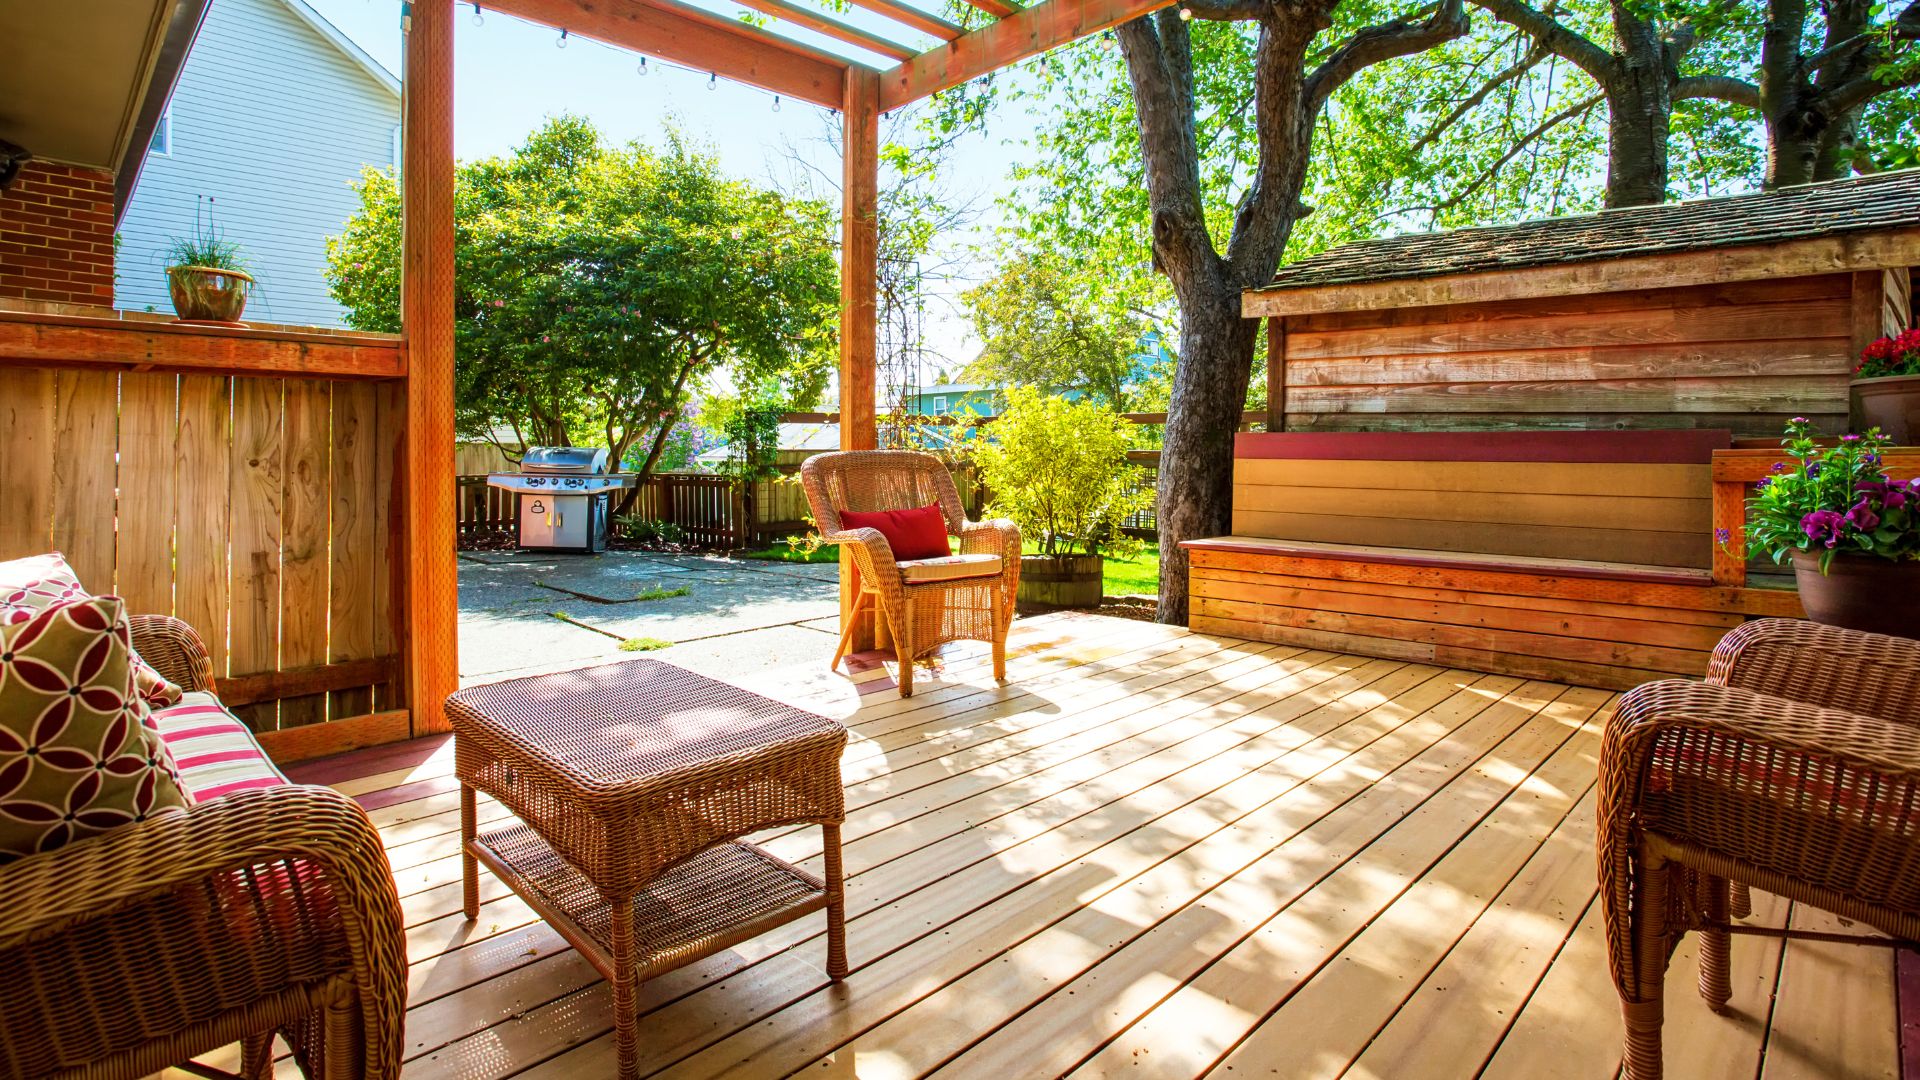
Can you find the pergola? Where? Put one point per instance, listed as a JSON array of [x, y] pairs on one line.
[[728, 48]]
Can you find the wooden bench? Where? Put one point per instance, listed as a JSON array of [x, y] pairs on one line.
[[1579, 556]]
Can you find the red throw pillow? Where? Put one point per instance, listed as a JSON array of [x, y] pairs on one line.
[[912, 534]]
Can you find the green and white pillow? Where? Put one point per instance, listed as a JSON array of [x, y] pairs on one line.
[[30, 584], [78, 750]]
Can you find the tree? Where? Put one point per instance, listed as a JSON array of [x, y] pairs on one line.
[[1042, 328], [1641, 74], [1817, 76], [597, 288], [1293, 80]]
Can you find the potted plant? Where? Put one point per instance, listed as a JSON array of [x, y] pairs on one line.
[[207, 275], [1885, 391], [1852, 535], [1059, 469]]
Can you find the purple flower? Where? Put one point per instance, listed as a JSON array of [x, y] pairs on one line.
[[1823, 526], [1723, 535], [1762, 483], [1798, 420], [1849, 438], [1813, 468], [1862, 517], [1779, 466]]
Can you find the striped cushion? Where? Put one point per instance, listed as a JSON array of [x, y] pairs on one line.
[[214, 751]]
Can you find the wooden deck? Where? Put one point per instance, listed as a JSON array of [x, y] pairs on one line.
[[1153, 854]]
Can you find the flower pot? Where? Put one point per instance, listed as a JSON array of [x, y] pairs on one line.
[[1068, 581], [1860, 592], [208, 294], [1891, 403]]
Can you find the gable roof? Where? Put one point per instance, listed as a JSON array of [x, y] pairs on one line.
[[1883, 201], [345, 44]]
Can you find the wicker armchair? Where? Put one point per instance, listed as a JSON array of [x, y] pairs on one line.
[[925, 602], [252, 913], [1795, 769]]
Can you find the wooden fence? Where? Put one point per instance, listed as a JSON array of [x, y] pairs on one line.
[[260, 510]]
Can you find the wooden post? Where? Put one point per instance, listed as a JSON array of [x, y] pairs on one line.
[[859, 273], [432, 645], [1276, 373]]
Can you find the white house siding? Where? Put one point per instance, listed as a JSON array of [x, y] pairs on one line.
[[274, 122]]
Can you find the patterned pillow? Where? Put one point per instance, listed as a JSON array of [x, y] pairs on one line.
[[27, 585], [78, 750]]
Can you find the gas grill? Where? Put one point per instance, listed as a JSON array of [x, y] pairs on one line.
[[565, 495]]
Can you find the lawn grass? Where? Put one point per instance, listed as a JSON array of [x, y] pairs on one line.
[[826, 553], [1139, 576]]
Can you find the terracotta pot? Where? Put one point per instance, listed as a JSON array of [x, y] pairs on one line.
[[1891, 403], [1861, 592], [1070, 581], [208, 294]]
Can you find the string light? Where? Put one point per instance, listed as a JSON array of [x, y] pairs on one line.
[[1186, 14], [643, 66], [713, 80], [478, 18], [776, 103], [561, 41]]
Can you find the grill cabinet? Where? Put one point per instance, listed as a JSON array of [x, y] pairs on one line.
[[565, 494]]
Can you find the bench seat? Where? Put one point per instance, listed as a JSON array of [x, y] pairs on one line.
[[1458, 560]]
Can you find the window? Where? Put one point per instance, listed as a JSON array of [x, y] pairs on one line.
[[939, 406], [162, 135]]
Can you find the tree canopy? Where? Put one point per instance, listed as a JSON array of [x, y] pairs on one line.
[[598, 288], [1040, 328]]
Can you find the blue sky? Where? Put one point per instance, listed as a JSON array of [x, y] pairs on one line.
[[509, 76]]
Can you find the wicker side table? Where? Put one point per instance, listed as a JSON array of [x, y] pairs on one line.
[[632, 783]]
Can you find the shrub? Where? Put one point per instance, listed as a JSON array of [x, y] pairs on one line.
[[1834, 500], [651, 533], [1059, 470]]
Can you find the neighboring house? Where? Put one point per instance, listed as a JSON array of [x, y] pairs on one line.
[[275, 114], [954, 399]]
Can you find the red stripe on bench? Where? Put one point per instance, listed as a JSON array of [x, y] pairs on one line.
[[1657, 575], [1692, 447]]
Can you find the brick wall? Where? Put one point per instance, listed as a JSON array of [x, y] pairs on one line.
[[56, 235]]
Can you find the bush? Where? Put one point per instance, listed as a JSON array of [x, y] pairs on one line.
[[1059, 470], [651, 533]]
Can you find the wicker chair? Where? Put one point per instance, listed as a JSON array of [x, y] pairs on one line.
[[925, 602], [1794, 769], [252, 913]]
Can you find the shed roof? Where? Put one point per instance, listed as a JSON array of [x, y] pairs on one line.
[[1883, 201]]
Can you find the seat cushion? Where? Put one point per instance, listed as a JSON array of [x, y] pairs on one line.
[[30, 584], [919, 533], [79, 753], [949, 567], [213, 749]]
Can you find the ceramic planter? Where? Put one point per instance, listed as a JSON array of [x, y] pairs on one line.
[[1890, 403], [1069, 581], [1861, 592], [208, 294]]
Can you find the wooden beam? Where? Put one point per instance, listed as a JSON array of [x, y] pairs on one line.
[[289, 745], [699, 39], [859, 291], [999, 9], [431, 628], [1027, 32], [298, 682], [1835, 254], [820, 22], [88, 341], [908, 15]]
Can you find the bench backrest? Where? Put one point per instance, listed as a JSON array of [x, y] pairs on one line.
[[1606, 496]]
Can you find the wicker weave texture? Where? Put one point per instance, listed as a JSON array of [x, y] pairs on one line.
[[1756, 778], [628, 768], [174, 650], [924, 615]]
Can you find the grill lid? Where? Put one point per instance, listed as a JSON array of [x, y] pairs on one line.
[[548, 460]]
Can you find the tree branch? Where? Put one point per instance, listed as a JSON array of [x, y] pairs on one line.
[[1225, 10], [1719, 88], [1556, 36], [1499, 79], [1854, 93], [1401, 37], [1493, 170]]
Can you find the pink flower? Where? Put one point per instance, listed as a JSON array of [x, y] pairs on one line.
[[499, 303]]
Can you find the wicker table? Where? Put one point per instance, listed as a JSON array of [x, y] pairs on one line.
[[632, 783]]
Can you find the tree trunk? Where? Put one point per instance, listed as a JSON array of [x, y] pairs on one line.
[[1196, 465], [1640, 114]]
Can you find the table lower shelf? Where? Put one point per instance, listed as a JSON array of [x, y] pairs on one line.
[[724, 895]]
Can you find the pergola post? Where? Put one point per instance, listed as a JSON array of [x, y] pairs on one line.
[[859, 285], [430, 629]]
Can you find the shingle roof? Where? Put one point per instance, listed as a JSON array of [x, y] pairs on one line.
[[1883, 201]]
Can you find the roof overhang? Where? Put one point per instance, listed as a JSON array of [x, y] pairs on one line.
[[1831, 254], [131, 50]]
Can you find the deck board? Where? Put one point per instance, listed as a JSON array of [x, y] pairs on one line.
[[1153, 854]]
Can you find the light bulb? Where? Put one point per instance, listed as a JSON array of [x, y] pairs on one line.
[[643, 65], [776, 103], [561, 41], [1186, 14], [713, 80], [478, 19]]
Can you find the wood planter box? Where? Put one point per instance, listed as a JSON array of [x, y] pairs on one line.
[[1069, 581]]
